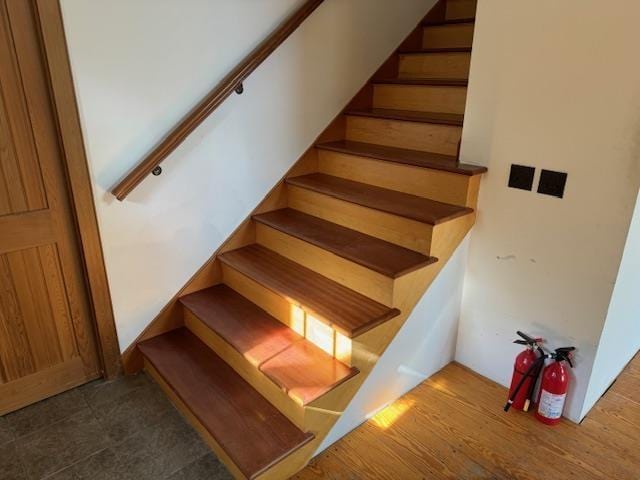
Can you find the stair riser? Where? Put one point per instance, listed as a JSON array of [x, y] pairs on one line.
[[195, 423], [457, 9], [246, 370], [421, 98], [317, 332], [435, 65], [448, 36], [392, 228], [434, 184], [427, 137], [272, 303], [356, 277]]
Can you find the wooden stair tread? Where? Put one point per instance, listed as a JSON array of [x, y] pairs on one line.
[[345, 310], [383, 257], [436, 50], [251, 431], [445, 82], [453, 21], [409, 115], [306, 372], [417, 158], [302, 370], [246, 327], [390, 201]]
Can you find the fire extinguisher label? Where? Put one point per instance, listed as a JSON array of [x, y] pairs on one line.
[[551, 404]]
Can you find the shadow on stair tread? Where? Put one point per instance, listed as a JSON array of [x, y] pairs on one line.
[[455, 119], [347, 311], [416, 81], [417, 158], [299, 368], [378, 255], [454, 21], [402, 204], [436, 50], [251, 431]]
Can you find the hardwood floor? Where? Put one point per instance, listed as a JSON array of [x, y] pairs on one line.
[[452, 426]]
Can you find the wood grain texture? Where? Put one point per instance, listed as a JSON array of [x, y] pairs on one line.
[[305, 372], [30, 229], [448, 36], [341, 308], [439, 118], [66, 110], [249, 429], [439, 137], [250, 373], [450, 21], [214, 99], [352, 275], [298, 367], [424, 98], [442, 65], [461, 9], [438, 185], [250, 330], [442, 82], [435, 184], [383, 257], [46, 383], [437, 50], [390, 201], [45, 310], [416, 158], [402, 231], [452, 426]]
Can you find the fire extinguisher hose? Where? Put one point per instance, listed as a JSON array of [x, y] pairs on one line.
[[535, 366], [532, 387]]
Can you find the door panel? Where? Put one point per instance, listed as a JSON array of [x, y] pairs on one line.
[[47, 343]]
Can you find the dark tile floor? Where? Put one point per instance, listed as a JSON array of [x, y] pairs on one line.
[[124, 429]]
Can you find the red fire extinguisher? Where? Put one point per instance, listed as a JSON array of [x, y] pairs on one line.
[[554, 386], [525, 373]]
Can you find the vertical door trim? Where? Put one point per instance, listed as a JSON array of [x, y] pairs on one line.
[[54, 47]]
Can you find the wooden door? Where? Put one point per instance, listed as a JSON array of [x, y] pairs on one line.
[[47, 343]]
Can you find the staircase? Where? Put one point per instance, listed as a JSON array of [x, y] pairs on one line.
[[268, 343]]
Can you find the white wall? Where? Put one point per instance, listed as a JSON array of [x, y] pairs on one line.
[[620, 339], [424, 345], [140, 66], [553, 85]]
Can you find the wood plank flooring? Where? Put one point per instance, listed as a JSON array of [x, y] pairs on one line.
[[452, 426]]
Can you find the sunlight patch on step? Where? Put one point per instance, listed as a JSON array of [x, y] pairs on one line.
[[343, 346], [320, 334], [296, 320]]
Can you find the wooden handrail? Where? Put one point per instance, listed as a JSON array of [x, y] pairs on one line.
[[231, 83]]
